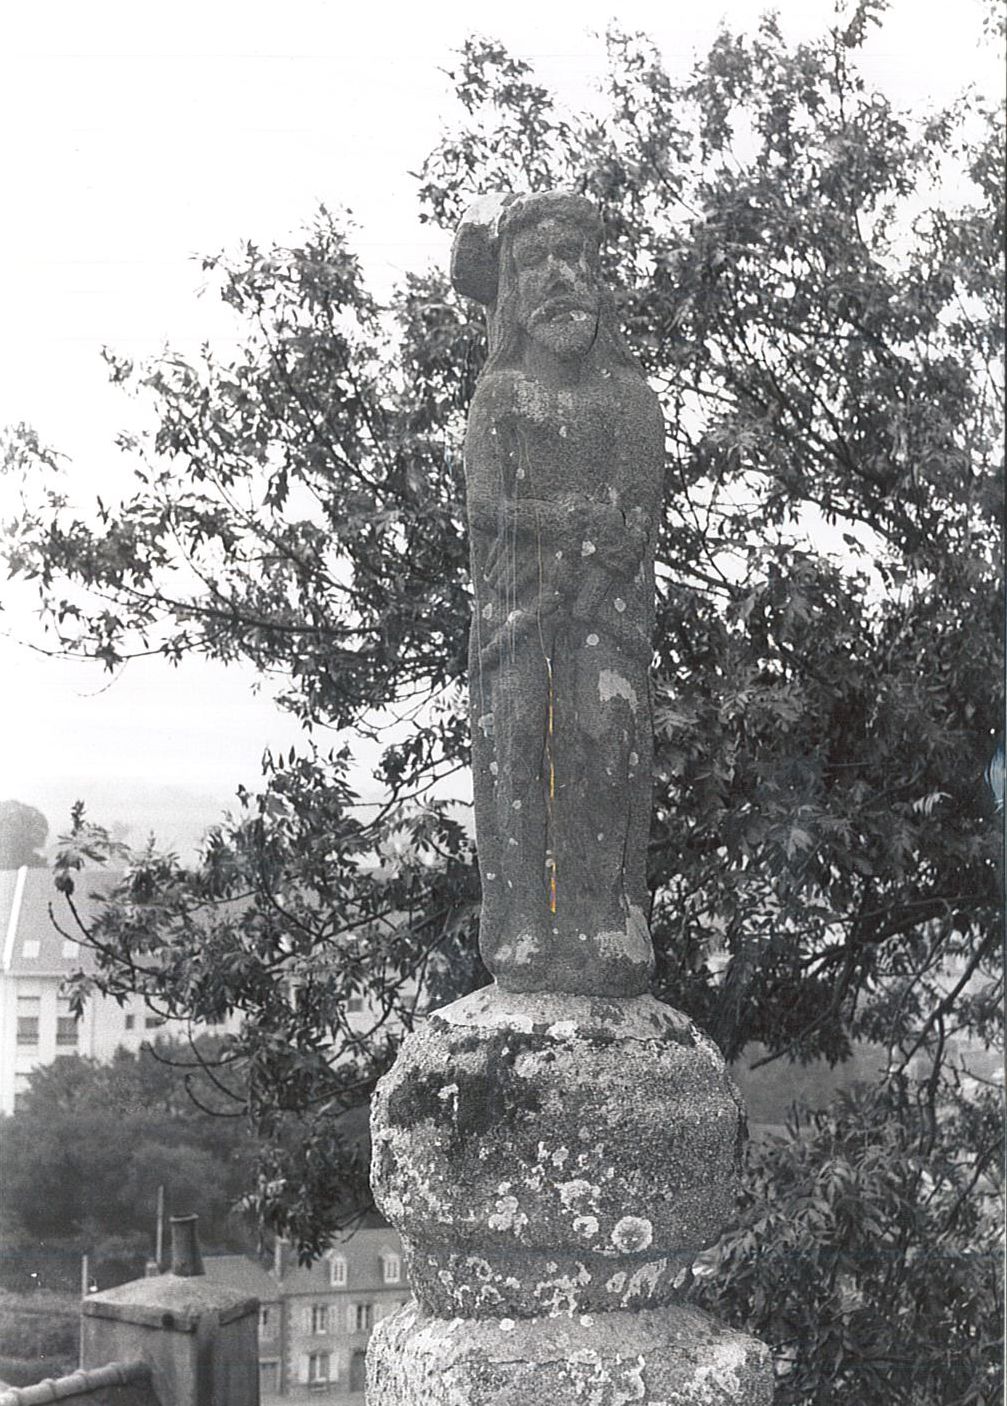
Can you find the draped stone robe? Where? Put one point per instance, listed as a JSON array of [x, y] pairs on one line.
[[564, 486]]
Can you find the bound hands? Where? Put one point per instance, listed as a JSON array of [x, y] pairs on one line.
[[616, 538]]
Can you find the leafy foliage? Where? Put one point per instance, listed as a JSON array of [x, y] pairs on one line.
[[868, 1250], [812, 280]]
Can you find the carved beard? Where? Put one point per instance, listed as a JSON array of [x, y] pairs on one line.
[[564, 328]]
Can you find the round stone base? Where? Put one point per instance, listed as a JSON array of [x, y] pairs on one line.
[[673, 1356], [545, 1154]]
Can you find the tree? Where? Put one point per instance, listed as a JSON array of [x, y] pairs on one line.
[[822, 317], [868, 1251], [23, 833], [85, 1155]]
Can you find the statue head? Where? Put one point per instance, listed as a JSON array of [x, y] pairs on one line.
[[533, 260], [551, 252]]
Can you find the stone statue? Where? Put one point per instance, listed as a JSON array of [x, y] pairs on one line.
[[564, 473], [556, 1148]]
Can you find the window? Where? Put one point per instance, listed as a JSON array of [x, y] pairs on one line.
[[30, 948], [391, 1266], [267, 1326], [355, 1005], [337, 1271], [153, 1022], [66, 1025], [130, 1022], [361, 1319], [28, 1010], [318, 1367], [269, 1377], [71, 948], [319, 1318]]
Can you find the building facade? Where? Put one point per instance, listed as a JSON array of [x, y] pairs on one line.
[[36, 1024], [314, 1323]]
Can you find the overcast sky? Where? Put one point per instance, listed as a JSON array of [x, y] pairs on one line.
[[137, 137]]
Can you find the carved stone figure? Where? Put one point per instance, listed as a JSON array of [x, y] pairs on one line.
[[564, 471], [557, 1148]]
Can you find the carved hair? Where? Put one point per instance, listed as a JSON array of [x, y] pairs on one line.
[[483, 268]]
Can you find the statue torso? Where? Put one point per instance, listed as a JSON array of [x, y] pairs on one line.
[[595, 441], [564, 485]]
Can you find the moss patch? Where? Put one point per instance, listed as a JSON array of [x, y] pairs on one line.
[[481, 1095]]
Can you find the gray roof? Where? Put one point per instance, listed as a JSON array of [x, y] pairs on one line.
[[29, 904], [362, 1249], [26, 897], [243, 1273]]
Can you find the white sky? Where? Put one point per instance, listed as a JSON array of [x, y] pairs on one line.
[[136, 137]]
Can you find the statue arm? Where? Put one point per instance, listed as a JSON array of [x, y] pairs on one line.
[[627, 533], [558, 523]]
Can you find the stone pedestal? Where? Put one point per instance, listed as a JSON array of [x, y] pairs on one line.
[[553, 1164], [665, 1357]]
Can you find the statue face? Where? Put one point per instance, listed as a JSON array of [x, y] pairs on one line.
[[557, 289]]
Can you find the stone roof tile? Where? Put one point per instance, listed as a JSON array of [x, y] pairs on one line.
[[78, 1385]]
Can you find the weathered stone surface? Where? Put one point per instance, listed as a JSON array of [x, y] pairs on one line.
[[554, 1154], [665, 1357], [180, 1303], [564, 466], [556, 1148], [526, 1284]]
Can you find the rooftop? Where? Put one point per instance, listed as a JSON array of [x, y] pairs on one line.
[[362, 1249], [242, 1273], [32, 943]]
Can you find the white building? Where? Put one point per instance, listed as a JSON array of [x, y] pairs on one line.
[[36, 1025]]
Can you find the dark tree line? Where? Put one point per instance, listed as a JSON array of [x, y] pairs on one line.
[[87, 1150]]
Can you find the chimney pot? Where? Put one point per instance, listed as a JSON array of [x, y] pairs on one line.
[[186, 1261]]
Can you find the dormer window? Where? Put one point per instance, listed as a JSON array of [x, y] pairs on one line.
[[391, 1267], [337, 1271]]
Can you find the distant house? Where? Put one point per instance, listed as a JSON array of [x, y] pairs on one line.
[[314, 1323], [36, 1024]]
